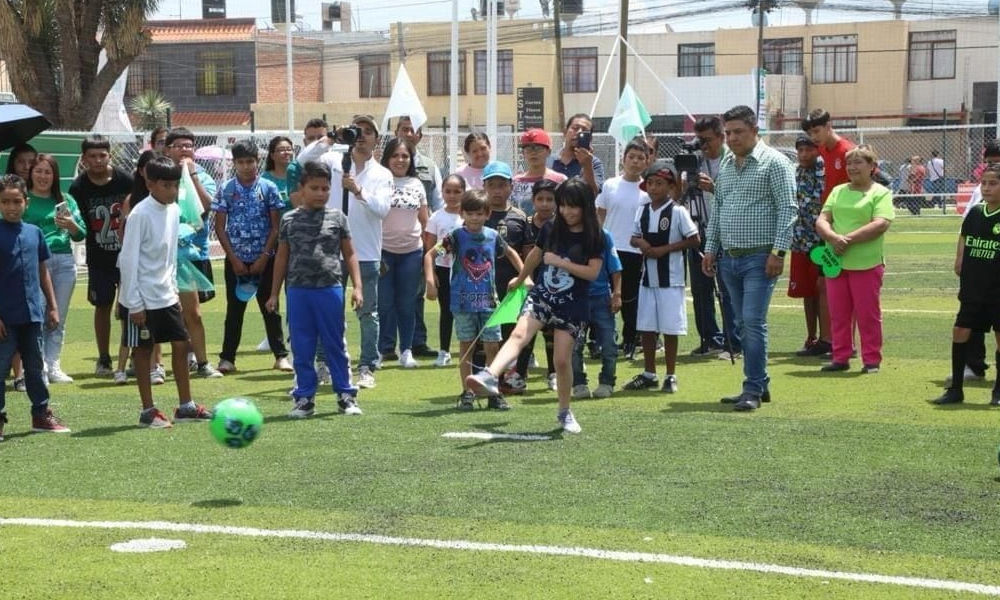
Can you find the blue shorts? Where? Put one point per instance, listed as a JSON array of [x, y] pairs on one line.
[[467, 325]]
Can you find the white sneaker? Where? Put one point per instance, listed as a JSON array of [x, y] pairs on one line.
[[568, 422], [443, 359], [580, 392], [158, 375], [323, 374], [120, 378], [56, 374], [551, 380], [264, 346], [225, 367], [515, 382], [365, 378], [305, 407], [348, 405], [281, 364], [603, 391], [407, 361]]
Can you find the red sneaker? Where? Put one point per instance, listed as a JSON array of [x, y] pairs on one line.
[[48, 423], [198, 413]]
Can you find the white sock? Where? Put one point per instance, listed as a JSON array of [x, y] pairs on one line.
[[189, 405], [649, 375]]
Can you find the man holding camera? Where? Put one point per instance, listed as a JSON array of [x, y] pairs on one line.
[[369, 190], [577, 159], [749, 233], [712, 341]]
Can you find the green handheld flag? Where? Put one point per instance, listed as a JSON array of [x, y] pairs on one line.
[[827, 259], [510, 308]]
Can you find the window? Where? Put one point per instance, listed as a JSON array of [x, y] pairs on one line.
[[932, 55], [505, 72], [439, 73], [579, 70], [373, 76], [835, 59], [216, 73], [695, 60], [143, 75], [783, 57]]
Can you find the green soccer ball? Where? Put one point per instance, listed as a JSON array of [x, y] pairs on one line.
[[236, 422]]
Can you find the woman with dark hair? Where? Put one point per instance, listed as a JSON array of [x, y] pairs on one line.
[[477, 155], [22, 156], [158, 139], [402, 253], [280, 168], [58, 216]]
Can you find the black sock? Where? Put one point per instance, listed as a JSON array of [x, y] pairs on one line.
[[996, 361], [958, 351]]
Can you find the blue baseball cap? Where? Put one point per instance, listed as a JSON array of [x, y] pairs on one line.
[[497, 169], [246, 287]]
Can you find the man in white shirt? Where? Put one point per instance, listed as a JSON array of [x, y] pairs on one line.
[[935, 178], [369, 187]]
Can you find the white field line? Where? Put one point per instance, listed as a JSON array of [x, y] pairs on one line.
[[642, 557], [483, 435]]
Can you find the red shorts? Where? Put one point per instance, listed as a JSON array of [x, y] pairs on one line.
[[804, 276]]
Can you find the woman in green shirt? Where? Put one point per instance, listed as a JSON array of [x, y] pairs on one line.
[[59, 218], [281, 169]]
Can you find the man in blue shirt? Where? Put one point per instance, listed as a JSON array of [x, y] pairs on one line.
[[576, 161]]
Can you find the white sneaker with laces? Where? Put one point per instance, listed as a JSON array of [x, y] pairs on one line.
[[443, 359], [264, 346], [121, 378], [304, 407], [603, 391], [158, 375], [56, 374], [283, 364], [349, 405], [580, 392], [551, 381], [365, 378], [568, 422], [226, 367], [407, 361]]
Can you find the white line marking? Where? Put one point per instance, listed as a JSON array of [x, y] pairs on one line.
[[482, 435], [643, 557], [149, 545]]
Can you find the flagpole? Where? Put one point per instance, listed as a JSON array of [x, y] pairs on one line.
[[453, 101], [289, 79], [604, 77], [491, 69], [660, 81]]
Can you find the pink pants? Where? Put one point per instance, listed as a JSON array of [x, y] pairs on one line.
[[854, 295]]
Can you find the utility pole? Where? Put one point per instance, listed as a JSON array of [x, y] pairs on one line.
[[401, 42], [622, 55], [557, 13]]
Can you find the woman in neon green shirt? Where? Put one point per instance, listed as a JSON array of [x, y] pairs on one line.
[[59, 218], [853, 222]]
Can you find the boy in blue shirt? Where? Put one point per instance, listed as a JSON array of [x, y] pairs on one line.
[[312, 238], [247, 209], [605, 301], [475, 249], [24, 279]]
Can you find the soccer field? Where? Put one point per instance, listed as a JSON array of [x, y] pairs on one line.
[[845, 486]]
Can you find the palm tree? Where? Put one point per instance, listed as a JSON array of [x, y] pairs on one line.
[[151, 108]]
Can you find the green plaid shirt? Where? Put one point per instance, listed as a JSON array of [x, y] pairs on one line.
[[754, 204]]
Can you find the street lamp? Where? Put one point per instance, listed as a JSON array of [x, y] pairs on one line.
[[758, 12]]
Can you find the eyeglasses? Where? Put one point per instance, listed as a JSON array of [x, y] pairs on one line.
[[533, 147], [162, 142], [182, 146]]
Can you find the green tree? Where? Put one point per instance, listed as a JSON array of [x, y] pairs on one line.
[[151, 108], [52, 48]]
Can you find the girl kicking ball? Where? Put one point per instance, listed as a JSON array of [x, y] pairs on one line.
[[568, 257]]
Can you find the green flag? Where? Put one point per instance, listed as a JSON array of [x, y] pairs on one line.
[[510, 308], [630, 118]]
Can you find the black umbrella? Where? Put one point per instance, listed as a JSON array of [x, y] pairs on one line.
[[19, 123]]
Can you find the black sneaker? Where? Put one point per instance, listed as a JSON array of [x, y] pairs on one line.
[[594, 350], [819, 348], [765, 397], [628, 351], [669, 385], [834, 367], [951, 396], [424, 351], [497, 403], [641, 382], [466, 401]]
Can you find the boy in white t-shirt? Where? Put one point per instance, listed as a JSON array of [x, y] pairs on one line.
[[663, 231], [617, 204]]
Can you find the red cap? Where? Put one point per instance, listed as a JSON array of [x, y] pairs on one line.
[[536, 136]]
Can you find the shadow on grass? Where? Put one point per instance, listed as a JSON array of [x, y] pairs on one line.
[[218, 503], [103, 431], [691, 407], [962, 406], [817, 374]]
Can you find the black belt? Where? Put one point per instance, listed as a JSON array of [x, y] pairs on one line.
[[741, 252]]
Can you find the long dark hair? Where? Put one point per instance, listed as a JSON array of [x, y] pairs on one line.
[[391, 148], [12, 158], [50, 160], [271, 147], [576, 192], [139, 188]]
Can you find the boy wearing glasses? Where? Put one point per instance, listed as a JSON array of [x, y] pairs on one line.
[[536, 146]]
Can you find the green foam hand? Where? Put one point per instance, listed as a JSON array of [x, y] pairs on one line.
[[827, 259]]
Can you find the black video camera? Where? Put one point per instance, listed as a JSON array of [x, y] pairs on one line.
[[687, 166], [346, 135]]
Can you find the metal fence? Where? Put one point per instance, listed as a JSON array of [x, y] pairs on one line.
[[960, 146]]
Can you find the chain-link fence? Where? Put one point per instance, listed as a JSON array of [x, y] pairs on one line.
[[959, 146]]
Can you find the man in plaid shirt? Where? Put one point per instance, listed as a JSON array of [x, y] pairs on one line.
[[749, 234]]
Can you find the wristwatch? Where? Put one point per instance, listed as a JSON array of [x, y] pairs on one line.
[[778, 253]]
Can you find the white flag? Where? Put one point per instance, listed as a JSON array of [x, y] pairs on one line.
[[630, 117], [404, 102]]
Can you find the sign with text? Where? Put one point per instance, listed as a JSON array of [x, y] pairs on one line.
[[530, 108], [213, 9]]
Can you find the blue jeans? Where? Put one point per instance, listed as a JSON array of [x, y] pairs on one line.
[[368, 313], [397, 293], [62, 270], [26, 339], [602, 324], [703, 302], [750, 290]]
